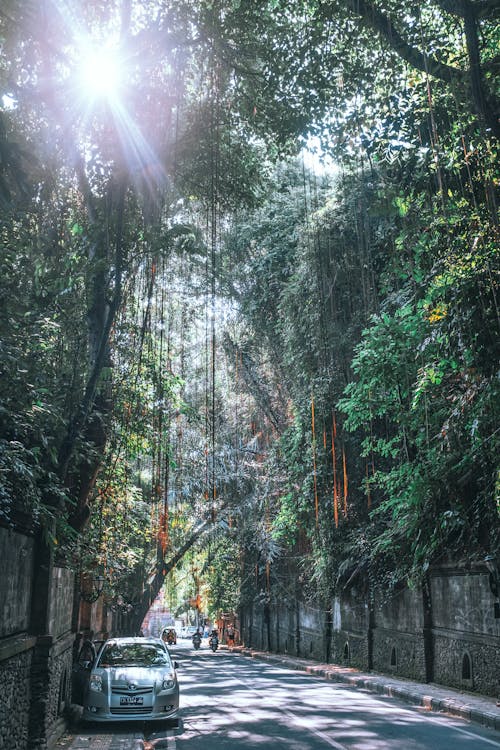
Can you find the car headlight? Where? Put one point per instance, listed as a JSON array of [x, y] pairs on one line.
[[96, 683], [168, 682]]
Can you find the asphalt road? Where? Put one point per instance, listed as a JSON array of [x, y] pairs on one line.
[[231, 702]]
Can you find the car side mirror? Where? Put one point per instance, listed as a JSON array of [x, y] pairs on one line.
[[176, 665]]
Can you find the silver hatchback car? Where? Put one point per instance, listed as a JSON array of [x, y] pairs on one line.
[[132, 679]]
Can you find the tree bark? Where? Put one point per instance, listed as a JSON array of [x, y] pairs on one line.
[[483, 108], [375, 20], [163, 569], [89, 420]]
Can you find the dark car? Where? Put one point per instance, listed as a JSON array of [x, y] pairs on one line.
[[131, 679], [169, 636]]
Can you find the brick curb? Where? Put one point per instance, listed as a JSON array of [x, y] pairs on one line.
[[481, 710]]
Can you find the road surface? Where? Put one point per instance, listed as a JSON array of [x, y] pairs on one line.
[[231, 702]]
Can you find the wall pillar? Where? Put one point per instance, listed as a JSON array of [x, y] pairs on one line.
[[328, 634], [39, 627], [369, 634], [40, 687], [427, 630], [297, 626]]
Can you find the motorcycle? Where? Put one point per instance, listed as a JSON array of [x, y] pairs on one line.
[[197, 640], [213, 643]]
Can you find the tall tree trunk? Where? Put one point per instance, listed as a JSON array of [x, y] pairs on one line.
[[89, 420], [485, 112], [163, 569]]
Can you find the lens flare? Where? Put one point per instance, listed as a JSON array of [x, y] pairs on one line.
[[100, 74]]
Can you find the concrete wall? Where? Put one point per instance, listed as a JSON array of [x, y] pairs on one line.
[[61, 601], [311, 626], [465, 630], [16, 646], [16, 554], [398, 635], [451, 635], [350, 623], [286, 627]]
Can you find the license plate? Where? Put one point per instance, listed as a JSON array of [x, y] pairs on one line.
[[131, 700]]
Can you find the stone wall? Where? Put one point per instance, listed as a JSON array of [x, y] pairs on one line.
[[398, 635], [15, 669], [450, 635], [465, 629], [59, 686], [16, 646], [36, 678], [350, 623], [36, 642], [52, 663]]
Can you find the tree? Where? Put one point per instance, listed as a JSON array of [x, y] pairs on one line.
[[366, 304], [329, 61], [109, 155]]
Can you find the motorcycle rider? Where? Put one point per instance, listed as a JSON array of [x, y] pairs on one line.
[[197, 638], [213, 641]]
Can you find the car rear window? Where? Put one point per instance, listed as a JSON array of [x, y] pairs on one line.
[[133, 655]]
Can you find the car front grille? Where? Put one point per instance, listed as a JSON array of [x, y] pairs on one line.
[[131, 710], [127, 691]]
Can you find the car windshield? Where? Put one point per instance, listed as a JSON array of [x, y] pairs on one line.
[[133, 655]]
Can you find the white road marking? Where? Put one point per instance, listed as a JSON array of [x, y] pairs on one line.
[[467, 732], [317, 732], [402, 709], [301, 722]]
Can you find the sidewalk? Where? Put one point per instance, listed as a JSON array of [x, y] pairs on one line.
[[477, 708]]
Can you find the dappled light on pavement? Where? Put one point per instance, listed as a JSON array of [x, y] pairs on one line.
[[229, 702]]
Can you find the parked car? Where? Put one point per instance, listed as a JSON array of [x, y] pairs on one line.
[[188, 631], [132, 679]]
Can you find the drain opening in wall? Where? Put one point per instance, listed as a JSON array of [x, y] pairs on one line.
[[466, 667], [347, 652]]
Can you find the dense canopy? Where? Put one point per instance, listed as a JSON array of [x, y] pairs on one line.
[[219, 356]]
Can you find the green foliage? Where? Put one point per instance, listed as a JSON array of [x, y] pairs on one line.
[[40, 342], [226, 150], [387, 293], [425, 400], [372, 297], [222, 573]]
